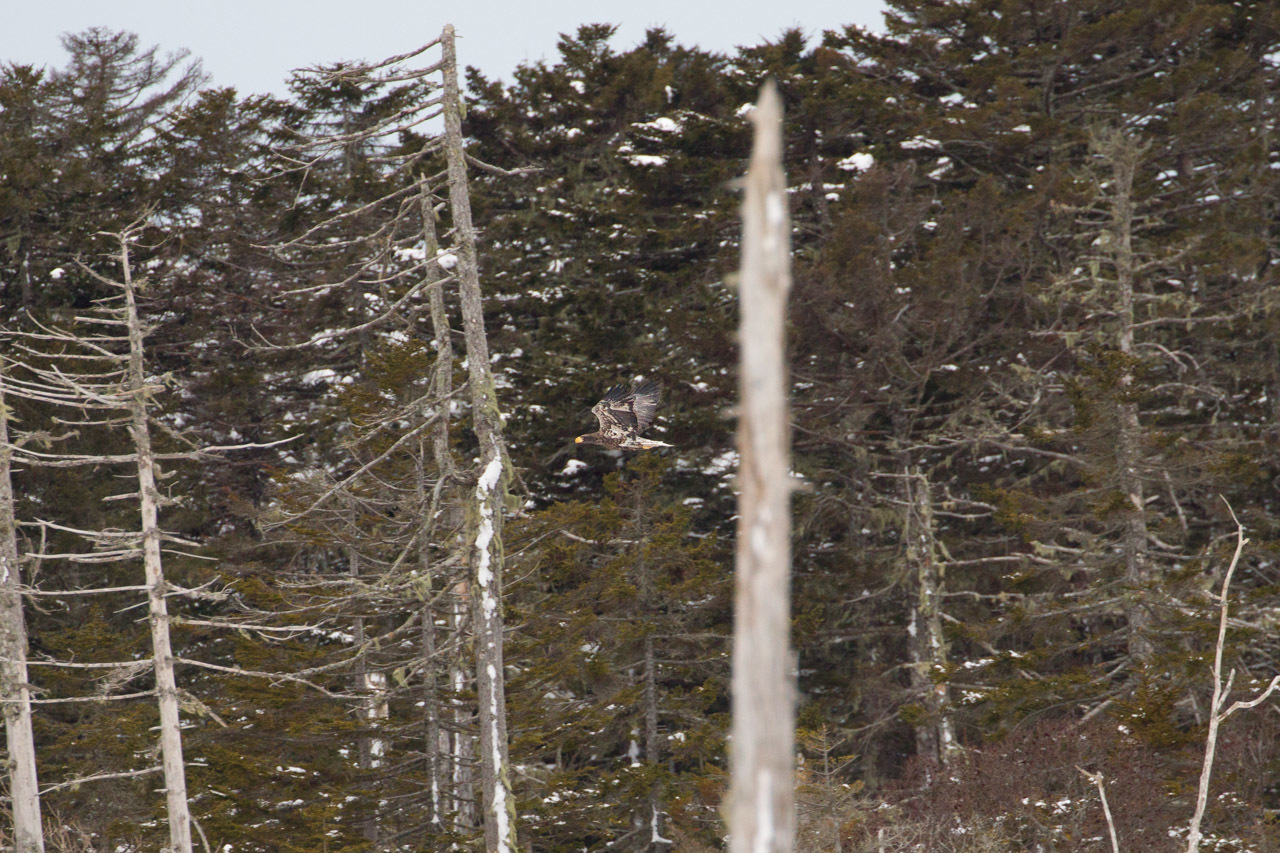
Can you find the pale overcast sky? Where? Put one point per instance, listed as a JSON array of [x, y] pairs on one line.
[[253, 45]]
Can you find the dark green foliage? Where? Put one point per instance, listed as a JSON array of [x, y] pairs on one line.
[[609, 580]]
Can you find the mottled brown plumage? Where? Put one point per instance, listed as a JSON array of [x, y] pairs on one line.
[[623, 414]]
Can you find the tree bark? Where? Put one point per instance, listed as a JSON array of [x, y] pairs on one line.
[[442, 390], [433, 746], [761, 802], [175, 777], [15, 692], [652, 743], [462, 752], [366, 759], [442, 334], [485, 515], [935, 739], [1122, 154]]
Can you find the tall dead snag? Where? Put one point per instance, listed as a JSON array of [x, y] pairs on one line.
[[442, 387], [97, 371], [15, 692], [762, 803], [485, 513], [1123, 154], [935, 736], [390, 242], [137, 392]]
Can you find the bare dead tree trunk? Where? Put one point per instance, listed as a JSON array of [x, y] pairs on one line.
[[442, 333], [486, 499], [15, 691], [28, 286], [365, 759], [442, 388], [762, 803], [1122, 154], [175, 777], [462, 751], [926, 644], [653, 748], [652, 743], [485, 515], [433, 748], [113, 380]]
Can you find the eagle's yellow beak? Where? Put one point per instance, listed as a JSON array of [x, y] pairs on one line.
[[578, 440]]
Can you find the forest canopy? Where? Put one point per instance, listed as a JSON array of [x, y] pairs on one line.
[[1035, 381]]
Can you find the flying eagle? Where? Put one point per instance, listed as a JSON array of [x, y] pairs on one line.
[[623, 414]]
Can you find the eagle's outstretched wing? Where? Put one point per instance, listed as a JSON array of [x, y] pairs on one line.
[[644, 403], [627, 411]]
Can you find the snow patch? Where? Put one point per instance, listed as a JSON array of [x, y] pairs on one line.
[[647, 160], [499, 789], [572, 468], [859, 162], [919, 143], [633, 752], [484, 535], [664, 124], [315, 377], [723, 463], [489, 478]]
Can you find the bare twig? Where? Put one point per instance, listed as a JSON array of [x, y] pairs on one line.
[[1097, 780], [74, 783]]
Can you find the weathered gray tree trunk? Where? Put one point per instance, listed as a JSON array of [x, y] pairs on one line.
[[1122, 154], [761, 803], [655, 813], [442, 333], [935, 739], [486, 511], [366, 705], [175, 777], [437, 745], [462, 748], [434, 745], [653, 746], [24, 788]]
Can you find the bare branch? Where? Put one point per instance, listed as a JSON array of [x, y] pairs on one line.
[[1220, 691], [1096, 779], [127, 774]]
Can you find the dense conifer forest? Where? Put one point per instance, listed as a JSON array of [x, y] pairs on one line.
[[1035, 365]]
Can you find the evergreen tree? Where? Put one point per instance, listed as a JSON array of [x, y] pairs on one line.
[[623, 668], [86, 138]]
